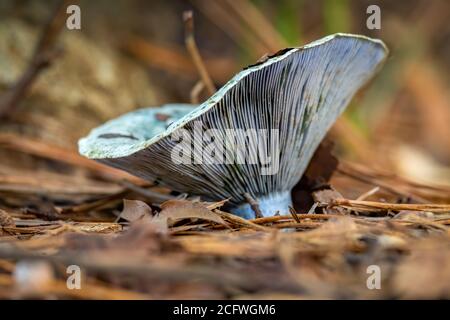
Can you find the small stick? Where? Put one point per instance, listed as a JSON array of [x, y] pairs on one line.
[[42, 149], [44, 53], [367, 194], [294, 214], [149, 194], [299, 215], [196, 90], [373, 205], [254, 205], [194, 52], [313, 208]]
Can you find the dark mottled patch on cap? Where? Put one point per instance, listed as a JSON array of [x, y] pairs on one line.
[[116, 135], [268, 57]]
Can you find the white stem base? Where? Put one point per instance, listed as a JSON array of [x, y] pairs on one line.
[[269, 206]]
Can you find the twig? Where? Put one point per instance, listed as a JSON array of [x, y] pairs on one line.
[[240, 221], [154, 197], [97, 204], [176, 60], [195, 91], [44, 53], [218, 204], [372, 205], [194, 52], [302, 224], [259, 25], [52, 185], [294, 214], [368, 194], [254, 205], [313, 208], [228, 22], [273, 219], [64, 155], [387, 186]]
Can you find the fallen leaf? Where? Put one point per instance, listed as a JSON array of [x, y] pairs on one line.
[[328, 195], [5, 219], [217, 205], [183, 209], [135, 210]]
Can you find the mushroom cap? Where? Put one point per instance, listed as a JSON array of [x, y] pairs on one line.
[[131, 132], [294, 97]]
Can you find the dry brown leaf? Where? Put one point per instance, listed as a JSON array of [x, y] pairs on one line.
[[183, 209], [5, 219], [135, 210], [217, 205], [328, 195]]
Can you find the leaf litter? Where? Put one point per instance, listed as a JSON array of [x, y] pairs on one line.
[[130, 247]]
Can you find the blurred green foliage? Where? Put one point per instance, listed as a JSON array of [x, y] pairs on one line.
[[336, 16], [287, 22]]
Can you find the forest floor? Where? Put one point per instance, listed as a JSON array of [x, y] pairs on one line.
[[153, 248]]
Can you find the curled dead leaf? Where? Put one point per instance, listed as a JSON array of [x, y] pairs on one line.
[[328, 195], [173, 210], [135, 210]]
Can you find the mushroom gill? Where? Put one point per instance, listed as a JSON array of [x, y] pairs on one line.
[[255, 136]]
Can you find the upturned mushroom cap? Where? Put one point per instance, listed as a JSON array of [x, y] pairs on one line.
[[285, 104]]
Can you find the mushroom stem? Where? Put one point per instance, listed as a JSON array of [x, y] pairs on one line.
[[269, 205]]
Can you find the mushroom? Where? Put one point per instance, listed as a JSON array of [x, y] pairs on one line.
[[254, 137]]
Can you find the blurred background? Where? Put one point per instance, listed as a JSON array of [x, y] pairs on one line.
[[131, 54]]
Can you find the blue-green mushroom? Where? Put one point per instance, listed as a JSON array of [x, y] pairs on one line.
[[255, 136]]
